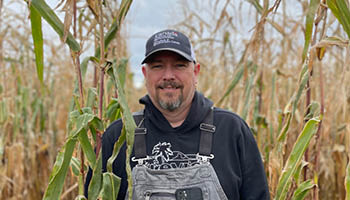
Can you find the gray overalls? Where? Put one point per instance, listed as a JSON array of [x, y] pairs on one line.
[[191, 183]]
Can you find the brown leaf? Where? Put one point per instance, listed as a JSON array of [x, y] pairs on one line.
[[93, 7], [320, 51], [68, 8]]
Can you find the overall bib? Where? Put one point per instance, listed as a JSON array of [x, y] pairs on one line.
[[198, 182]]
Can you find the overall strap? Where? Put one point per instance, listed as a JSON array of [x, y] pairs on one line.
[[207, 129], [140, 136]]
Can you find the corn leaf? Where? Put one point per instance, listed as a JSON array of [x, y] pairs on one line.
[[96, 180], [87, 147], [121, 71], [295, 157], [83, 68], [330, 41], [110, 35], [304, 78], [303, 190], [347, 181], [80, 197], [111, 184], [341, 11], [117, 146], [37, 34], [75, 165], [298, 172], [247, 98], [233, 84], [59, 172], [91, 98], [113, 111], [309, 22], [49, 15], [128, 124], [3, 112]]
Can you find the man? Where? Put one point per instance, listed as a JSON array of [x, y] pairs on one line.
[[184, 148]]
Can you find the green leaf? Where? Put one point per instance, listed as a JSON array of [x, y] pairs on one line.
[[83, 69], [314, 109], [49, 15], [83, 122], [87, 147], [113, 110], [3, 112], [59, 172], [233, 84], [304, 78], [347, 181], [257, 6], [128, 124], [110, 35], [110, 187], [121, 71], [247, 93], [309, 22], [295, 157], [75, 164], [37, 35], [97, 124], [341, 11], [91, 98], [299, 171], [117, 146], [283, 133], [80, 197], [96, 180], [303, 189]]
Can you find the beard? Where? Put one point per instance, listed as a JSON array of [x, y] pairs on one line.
[[171, 101]]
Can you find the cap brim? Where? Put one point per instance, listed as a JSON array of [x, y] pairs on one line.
[[188, 57]]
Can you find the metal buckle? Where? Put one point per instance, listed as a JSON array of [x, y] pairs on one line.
[[140, 161], [140, 131], [204, 159], [207, 127]]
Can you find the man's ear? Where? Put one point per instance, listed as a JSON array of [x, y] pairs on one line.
[[197, 68], [144, 70]]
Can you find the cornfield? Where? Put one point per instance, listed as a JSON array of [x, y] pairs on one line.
[[283, 66]]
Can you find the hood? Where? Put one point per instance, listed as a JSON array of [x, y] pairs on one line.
[[199, 108]]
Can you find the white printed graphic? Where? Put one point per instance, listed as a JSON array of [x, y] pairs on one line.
[[165, 37], [164, 158]]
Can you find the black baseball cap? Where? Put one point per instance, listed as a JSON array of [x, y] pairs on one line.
[[169, 40]]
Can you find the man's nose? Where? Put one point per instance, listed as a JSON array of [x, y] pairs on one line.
[[168, 73]]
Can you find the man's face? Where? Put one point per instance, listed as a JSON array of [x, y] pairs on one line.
[[170, 80]]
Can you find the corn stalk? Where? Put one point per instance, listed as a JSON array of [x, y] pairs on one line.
[[83, 119]]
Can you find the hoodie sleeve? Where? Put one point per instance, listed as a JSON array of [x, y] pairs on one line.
[[254, 185]]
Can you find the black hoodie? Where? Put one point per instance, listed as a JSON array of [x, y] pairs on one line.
[[237, 160]]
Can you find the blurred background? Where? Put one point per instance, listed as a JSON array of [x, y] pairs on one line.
[[252, 55]]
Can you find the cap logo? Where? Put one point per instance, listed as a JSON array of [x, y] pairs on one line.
[[165, 37]]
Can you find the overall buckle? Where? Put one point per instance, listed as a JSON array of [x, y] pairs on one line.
[[140, 161], [207, 127], [204, 159]]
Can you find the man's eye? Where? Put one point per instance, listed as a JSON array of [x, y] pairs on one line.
[[180, 65], [156, 66]]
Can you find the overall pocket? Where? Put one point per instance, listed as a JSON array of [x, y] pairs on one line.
[[160, 195], [194, 193]]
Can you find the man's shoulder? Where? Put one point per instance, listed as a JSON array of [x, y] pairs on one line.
[[113, 130], [221, 113]]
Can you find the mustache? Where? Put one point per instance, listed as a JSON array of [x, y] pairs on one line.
[[172, 84]]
